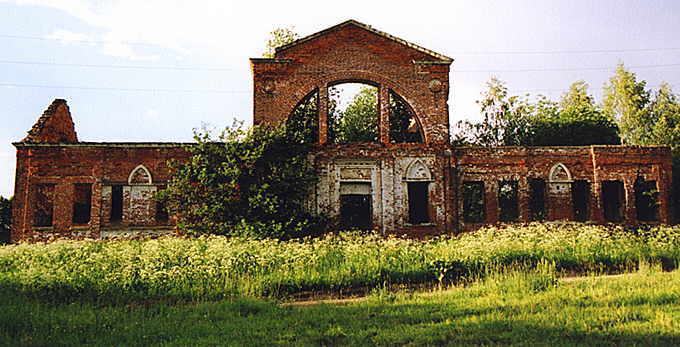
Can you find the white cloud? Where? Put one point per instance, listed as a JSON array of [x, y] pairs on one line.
[[66, 36]]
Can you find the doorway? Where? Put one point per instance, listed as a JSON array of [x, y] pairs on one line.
[[356, 210]]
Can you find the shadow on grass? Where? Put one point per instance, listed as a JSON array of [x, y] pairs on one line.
[[438, 320]]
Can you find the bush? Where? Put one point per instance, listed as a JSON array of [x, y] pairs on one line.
[[251, 183]]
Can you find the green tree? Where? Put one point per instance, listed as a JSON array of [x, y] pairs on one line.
[[664, 110], [576, 120], [277, 38], [359, 121], [626, 100], [505, 119], [253, 182], [5, 219]]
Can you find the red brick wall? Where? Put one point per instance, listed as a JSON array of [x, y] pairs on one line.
[[593, 164], [351, 53], [97, 164]]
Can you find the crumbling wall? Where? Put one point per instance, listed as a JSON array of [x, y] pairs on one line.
[[99, 166]]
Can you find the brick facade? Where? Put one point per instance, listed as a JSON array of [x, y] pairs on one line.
[[460, 188]]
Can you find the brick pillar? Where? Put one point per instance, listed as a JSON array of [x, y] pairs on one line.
[[491, 201], [630, 213], [63, 207], [596, 209], [323, 114], [523, 199], [384, 114], [96, 210], [21, 201], [664, 186]]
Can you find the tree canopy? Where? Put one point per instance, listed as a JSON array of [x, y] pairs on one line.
[[515, 120]]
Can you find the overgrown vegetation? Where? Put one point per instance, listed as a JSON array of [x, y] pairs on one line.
[[246, 182], [508, 307], [213, 267]]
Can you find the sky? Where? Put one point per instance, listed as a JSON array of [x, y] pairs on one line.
[[153, 70]]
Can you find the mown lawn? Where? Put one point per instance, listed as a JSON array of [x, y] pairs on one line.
[[515, 307]]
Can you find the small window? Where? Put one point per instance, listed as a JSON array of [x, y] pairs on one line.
[[43, 205], [473, 202], [116, 204], [418, 203], [507, 201], [82, 203], [537, 199]]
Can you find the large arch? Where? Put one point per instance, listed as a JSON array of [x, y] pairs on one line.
[[305, 87]]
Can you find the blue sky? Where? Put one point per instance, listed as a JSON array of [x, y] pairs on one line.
[[186, 62]]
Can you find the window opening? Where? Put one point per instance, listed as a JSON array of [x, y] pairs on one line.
[[537, 199], [116, 204], [612, 200], [580, 195], [303, 122], [353, 113], [404, 127], [646, 200], [418, 202], [473, 202], [82, 203], [507, 201], [355, 206], [161, 209]]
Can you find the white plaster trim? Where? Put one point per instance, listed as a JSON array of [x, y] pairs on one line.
[[554, 169], [132, 173], [413, 165]]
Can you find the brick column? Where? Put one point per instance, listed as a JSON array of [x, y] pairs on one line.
[[322, 103], [21, 201], [384, 114], [96, 210], [630, 212], [491, 201], [663, 185], [596, 208], [523, 199], [62, 206]]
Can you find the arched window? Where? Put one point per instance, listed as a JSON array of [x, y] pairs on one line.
[[303, 122], [404, 127]]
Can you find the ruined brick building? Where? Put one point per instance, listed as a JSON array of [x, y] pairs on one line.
[[407, 180]]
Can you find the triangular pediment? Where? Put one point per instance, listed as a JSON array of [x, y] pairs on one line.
[[434, 56]]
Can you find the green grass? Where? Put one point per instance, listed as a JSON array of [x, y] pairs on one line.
[[213, 268], [511, 307]]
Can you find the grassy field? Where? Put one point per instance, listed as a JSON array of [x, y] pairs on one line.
[[213, 268], [512, 307]]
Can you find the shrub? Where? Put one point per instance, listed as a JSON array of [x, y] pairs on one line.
[[252, 182]]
